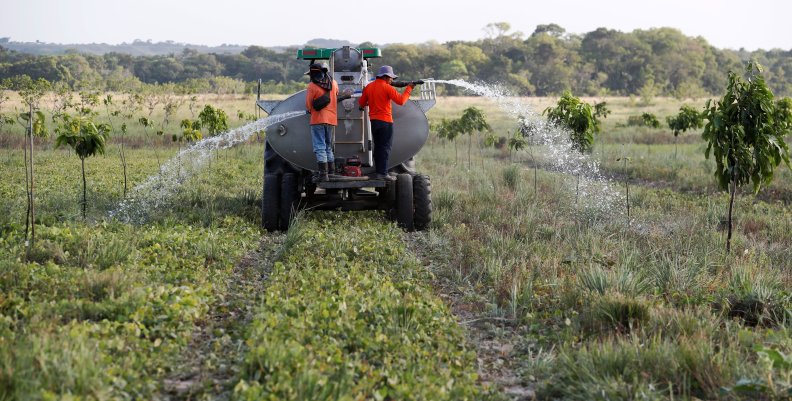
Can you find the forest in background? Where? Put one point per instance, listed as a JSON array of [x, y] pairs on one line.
[[549, 61]]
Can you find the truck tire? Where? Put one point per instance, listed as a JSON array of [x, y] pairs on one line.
[[404, 202], [270, 202], [422, 202], [288, 200]]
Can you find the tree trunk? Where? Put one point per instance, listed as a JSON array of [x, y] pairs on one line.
[[85, 185], [124, 164], [733, 191], [32, 185], [470, 146], [27, 188], [627, 186]]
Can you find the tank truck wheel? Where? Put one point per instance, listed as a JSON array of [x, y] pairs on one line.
[[404, 201], [422, 199], [288, 200], [270, 200]]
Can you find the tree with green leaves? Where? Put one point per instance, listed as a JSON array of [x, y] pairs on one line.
[[449, 130], [86, 138], [581, 119], [745, 133], [644, 120], [516, 143], [191, 131], [214, 120], [31, 91], [687, 119], [578, 117], [472, 122], [5, 84]]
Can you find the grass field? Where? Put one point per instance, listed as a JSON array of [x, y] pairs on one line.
[[522, 287]]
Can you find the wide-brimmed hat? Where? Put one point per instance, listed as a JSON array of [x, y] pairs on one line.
[[322, 66], [386, 70]]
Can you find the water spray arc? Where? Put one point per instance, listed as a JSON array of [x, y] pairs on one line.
[[159, 188], [558, 150]]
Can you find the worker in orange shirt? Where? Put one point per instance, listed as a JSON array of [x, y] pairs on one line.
[[378, 95], [321, 102]]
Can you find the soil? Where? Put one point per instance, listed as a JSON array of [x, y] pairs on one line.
[[497, 341]]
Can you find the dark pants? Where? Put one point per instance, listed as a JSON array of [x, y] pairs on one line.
[[382, 133]]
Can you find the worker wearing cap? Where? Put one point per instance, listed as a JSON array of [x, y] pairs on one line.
[[320, 102], [378, 95]]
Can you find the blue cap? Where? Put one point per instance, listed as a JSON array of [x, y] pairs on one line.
[[386, 70]]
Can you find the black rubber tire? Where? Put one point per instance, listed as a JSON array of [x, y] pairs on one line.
[[270, 202], [288, 200], [422, 202], [404, 202]]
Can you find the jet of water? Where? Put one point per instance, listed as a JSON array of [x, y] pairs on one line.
[[591, 186], [157, 189]]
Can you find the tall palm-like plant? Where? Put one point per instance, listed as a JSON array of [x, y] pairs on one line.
[[86, 138]]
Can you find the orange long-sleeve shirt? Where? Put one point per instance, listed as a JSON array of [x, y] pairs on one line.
[[378, 96], [328, 115]]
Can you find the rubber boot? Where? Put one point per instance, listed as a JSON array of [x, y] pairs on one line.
[[323, 172], [331, 168]]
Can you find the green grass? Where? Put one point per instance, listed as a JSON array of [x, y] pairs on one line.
[[348, 315], [650, 309], [616, 301], [100, 309]]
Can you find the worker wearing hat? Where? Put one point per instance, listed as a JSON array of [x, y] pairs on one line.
[[320, 101], [378, 96]]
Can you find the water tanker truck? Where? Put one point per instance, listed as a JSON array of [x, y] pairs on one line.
[[289, 161]]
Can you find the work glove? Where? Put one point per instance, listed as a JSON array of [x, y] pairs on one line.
[[346, 94]]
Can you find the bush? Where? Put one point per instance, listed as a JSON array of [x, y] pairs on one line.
[[644, 120]]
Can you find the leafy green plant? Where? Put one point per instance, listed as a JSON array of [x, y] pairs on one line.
[[214, 120], [601, 110], [688, 118], [5, 84], [644, 120], [516, 143], [191, 131], [86, 138], [472, 122], [449, 130], [578, 117], [581, 121], [344, 302], [745, 133], [777, 382]]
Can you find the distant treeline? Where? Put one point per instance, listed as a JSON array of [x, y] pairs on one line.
[[652, 62]]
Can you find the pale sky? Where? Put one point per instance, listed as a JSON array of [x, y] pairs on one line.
[[730, 24]]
